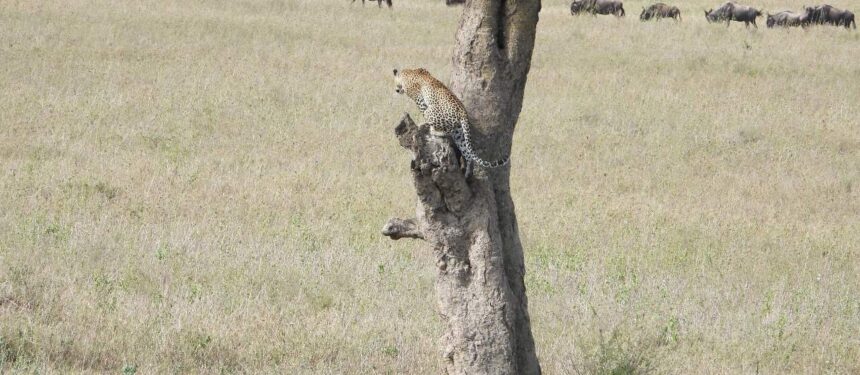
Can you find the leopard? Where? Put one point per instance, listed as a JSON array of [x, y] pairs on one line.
[[443, 111]]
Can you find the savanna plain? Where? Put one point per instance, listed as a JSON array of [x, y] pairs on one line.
[[198, 187]]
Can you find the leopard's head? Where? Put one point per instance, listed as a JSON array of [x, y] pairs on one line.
[[408, 81]]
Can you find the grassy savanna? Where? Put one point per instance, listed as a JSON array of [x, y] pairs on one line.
[[198, 186]]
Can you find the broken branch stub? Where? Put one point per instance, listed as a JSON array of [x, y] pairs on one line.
[[402, 228]]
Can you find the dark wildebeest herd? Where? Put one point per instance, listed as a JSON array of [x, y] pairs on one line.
[[728, 12], [378, 3], [826, 14]]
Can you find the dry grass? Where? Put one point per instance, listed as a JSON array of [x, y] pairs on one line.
[[197, 186]]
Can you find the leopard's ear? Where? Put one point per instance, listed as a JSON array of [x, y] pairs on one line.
[[395, 72], [422, 71]]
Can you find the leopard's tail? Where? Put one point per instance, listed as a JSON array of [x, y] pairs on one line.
[[470, 154]]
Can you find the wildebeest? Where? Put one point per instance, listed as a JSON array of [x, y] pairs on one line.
[[788, 19], [660, 10], [731, 11], [378, 2], [827, 14], [595, 7]]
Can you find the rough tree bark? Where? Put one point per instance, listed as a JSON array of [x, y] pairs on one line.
[[471, 223]]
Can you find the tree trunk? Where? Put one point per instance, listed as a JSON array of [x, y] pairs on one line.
[[471, 222]]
